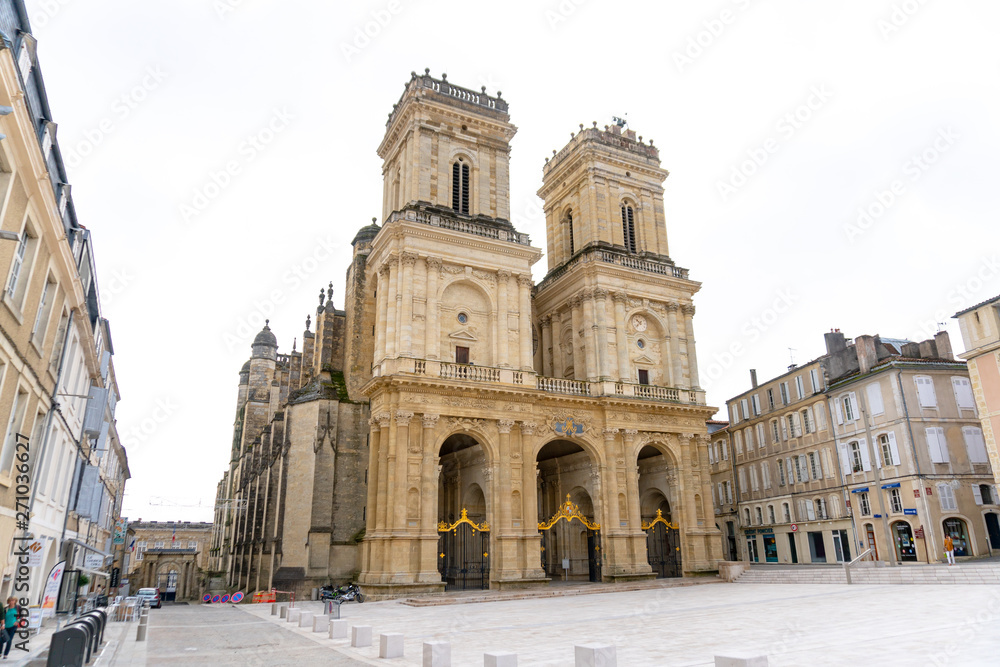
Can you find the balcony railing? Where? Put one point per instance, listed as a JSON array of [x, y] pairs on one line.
[[525, 379]]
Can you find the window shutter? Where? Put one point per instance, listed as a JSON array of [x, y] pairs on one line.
[[977, 494], [840, 412], [784, 429], [854, 405], [975, 444], [925, 391], [875, 399], [937, 445], [804, 467], [799, 388], [893, 448], [814, 376], [878, 453], [845, 458], [866, 461], [810, 511], [963, 393], [743, 408]]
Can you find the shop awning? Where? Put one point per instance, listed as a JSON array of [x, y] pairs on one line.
[[864, 490], [894, 485]]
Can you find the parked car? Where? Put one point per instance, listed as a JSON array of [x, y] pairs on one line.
[[151, 594]]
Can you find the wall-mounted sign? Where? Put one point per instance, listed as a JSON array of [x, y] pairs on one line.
[[794, 527], [93, 561], [910, 512], [894, 485], [35, 552]]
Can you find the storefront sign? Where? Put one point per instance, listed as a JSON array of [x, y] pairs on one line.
[[864, 490], [910, 512], [877, 516], [121, 525], [927, 491], [920, 533], [35, 552], [93, 561], [916, 493], [894, 485]]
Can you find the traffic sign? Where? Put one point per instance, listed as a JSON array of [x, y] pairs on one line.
[[794, 527]]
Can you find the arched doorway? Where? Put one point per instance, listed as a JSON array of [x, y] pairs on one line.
[[658, 486], [663, 549], [906, 548], [993, 529], [463, 545], [571, 538], [955, 528]]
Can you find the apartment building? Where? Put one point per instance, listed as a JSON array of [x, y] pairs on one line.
[[980, 326]]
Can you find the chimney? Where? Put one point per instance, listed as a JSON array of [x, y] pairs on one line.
[[867, 356], [928, 350], [943, 342], [753, 377], [835, 341], [911, 350]]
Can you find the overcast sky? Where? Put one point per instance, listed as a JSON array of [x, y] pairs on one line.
[[223, 153]]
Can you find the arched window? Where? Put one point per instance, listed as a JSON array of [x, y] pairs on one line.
[[460, 187], [628, 227], [569, 228]]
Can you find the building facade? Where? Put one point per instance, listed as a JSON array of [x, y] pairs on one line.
[[980, 326], [875, 445], [172, 556], [514, 432], [62, 467]]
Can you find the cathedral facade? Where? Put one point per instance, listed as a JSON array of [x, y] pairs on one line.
[[512, 432]]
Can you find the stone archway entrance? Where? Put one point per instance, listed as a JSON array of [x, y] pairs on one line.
[[464, 544], [663, 548], [572, 549]]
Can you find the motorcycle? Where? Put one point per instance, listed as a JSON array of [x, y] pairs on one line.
[[342, 594]]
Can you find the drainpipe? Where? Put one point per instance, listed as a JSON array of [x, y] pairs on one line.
[[929, 534]]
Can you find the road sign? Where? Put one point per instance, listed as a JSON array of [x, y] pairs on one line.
[[919, 534], [794, 527], [910, 512]]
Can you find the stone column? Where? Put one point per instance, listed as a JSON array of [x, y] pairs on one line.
[[558, 353], [406, 306], [579, 365], [504, 478], [524, 283], [624, 371], [390, 307], [503, 278], [692, 357], [381, 287], [429, 471], [601, 330], [547, 350], [632, 481], [610, 474], [590, 334], [529, 498], [676, 371], [690, 511], [432, 330], [373, 466], [384, 420], [402, 442]]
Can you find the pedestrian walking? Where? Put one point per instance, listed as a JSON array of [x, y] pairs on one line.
[[10, 616], [949, 549]]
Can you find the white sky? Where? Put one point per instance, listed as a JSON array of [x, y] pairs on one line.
[[179, 292]]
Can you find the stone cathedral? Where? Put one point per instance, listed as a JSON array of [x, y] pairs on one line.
[[509, 433]]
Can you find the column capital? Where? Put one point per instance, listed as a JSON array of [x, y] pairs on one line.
[[672, 306], [403, 417], [385, 267], [503, 274], [586, 293], [620, 297], [610, 434], [433, 262], [688, 309], [629, 434], [409, 258], [600, 293], [430, 421], [504, 425], [546, 321], [524, 280], [382, 418], [528, 428]]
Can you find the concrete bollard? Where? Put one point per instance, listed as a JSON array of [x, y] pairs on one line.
[[274, 609], [361, 635], [321, 623], [294, 615], [595, 655], [338, 628], [741, 661], [500, 659], [140, 633], [437, 654], [306, 619], [390, 645], [283, 611]]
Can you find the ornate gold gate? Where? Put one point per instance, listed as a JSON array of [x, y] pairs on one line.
[[464, 553], [567, 512], [663, 546]]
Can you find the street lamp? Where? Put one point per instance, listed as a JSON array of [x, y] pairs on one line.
[[9, 236]]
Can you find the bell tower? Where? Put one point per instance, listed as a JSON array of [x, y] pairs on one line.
[[449, 147]]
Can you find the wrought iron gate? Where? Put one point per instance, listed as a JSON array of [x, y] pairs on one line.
[[569, 511], [464, 554], [663, 547]]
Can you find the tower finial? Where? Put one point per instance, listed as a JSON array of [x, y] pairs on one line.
[[266, 322], [308, 322]]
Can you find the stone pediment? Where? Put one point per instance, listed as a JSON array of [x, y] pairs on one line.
[[462, 335], [643, 359]]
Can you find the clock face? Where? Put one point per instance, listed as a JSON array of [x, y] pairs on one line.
[[639, 323]]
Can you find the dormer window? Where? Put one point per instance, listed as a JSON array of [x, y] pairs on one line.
[[24, 59], [460, 187], [628, 227]]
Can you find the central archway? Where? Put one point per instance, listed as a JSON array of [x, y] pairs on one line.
[[463, 511], [571, 539], [658, 485]]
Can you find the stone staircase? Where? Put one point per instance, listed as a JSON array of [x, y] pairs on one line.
[[986, 572]]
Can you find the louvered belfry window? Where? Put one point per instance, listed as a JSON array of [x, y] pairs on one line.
[[460, 187], [628, 227], [569, 223]]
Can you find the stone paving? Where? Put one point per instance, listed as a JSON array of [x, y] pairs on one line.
[[792, 624]]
